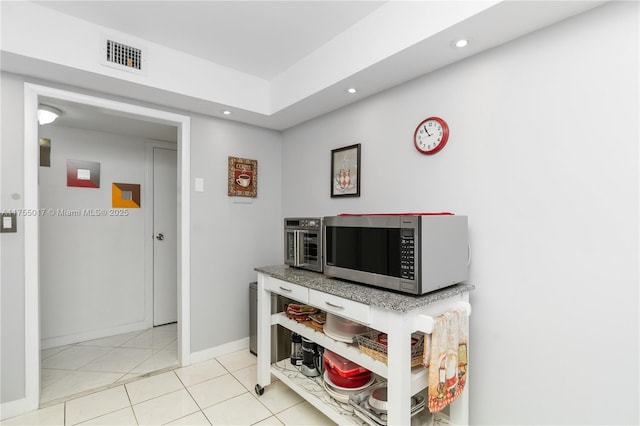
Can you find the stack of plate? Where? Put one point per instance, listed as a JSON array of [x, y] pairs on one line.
[[340, 393]]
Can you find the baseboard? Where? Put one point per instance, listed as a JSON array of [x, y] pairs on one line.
[[15, 408], [225, 349], [54, 342]]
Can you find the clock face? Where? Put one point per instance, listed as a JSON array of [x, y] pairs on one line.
[[431, 135]]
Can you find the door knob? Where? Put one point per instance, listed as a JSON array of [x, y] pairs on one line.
[[160, 237]]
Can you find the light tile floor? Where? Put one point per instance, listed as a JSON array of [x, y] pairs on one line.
[[74, 370], [215, 392]]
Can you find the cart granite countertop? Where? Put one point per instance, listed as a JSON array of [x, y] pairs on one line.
[[360, 292]]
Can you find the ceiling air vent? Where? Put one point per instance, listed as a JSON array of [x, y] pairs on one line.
[[123, 56]]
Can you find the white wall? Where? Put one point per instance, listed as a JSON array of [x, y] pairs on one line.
[[543, 158], [12, 335], [92, 281], [230, 235]]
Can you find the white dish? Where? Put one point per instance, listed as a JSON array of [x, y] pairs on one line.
[[378, 399], [350, 390], [339, 337], [344, 326], [340, 397]]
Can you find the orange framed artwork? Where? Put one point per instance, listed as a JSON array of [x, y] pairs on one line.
[[125, 195], [243, 177]]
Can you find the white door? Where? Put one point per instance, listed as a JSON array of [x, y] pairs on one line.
[[165, 272]]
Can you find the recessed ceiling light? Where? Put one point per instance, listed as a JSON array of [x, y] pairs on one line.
[[352, 90], [226, 112], [461, 43]]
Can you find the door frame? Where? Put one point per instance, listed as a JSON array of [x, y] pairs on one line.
[[150, 145], [32, 93]]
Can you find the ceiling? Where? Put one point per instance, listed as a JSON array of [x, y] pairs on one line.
[[261, 38], [81, 116], [267, 39]]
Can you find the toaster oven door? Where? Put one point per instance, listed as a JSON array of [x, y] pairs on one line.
[[291, 252], [303, 249]]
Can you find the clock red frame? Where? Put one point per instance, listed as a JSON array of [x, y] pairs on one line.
[[443, 142]]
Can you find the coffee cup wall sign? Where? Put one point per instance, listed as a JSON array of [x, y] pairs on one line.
[[243, 177]]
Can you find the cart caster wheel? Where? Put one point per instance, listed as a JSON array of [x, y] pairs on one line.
[[259, 390]]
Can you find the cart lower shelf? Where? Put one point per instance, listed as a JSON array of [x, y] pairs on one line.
[[312, 390]]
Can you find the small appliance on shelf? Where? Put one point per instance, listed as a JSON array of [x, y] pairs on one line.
[[303, 243]]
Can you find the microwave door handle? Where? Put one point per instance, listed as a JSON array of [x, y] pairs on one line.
[[300, 257]]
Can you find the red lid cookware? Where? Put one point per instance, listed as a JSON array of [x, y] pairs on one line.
[[342, 366], [350, 382]]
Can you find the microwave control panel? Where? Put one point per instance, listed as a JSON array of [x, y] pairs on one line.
[[407, 254]]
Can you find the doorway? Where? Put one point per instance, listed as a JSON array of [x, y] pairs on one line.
[[33, 93], [95, 316]]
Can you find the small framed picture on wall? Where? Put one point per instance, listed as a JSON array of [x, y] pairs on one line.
[[243, 177], [345, 171]]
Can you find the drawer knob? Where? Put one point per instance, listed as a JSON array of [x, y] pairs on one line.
[[334, 306], [285, 289]]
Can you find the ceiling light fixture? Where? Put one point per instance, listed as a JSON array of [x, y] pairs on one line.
[[352, 90], [47, 114], [461, 43], [226, 112]]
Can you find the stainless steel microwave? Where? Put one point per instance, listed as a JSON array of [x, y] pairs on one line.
[[303, 243], [413, 254]]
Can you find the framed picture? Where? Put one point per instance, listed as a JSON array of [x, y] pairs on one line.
[[84, 174], [125, 195], [345, 171], [45, 152], [243, 177]]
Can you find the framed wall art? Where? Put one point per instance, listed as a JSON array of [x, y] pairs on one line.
[[125, 195], [345, 171], [243, 177], [45, 152], [85, 174]]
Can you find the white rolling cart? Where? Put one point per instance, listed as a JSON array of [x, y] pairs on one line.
[[395, 314]]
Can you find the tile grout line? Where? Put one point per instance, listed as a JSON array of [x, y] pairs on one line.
[[81, 394], [191, 396], [131, 405], [230, 373], [249, 391], [64, 400], [224, 369], [116, 382]]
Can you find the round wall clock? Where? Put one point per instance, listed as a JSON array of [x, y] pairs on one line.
[[431, 135]]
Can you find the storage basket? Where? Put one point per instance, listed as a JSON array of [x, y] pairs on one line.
[[368, 344]]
